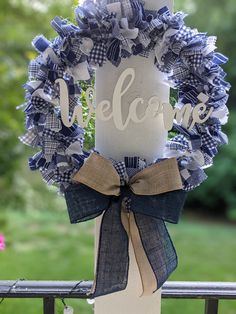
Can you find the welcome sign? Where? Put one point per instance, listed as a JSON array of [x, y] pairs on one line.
[[86, 177], [187, 115]]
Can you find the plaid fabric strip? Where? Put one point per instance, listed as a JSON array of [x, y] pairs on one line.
[[73, 102], [56, 71], [218, 103], [178, 143], [98, 54], [144, 53], [132, 171], [49, 147], [29, 122], [72, 52], [185, 33], [48, 176], [217, 81], [76, 52], [31, 138], [121, 170], [61, 161], [64, 177], [212, 152], [212, 69], [111, 1], [208, 140], [196, 178], [38, 105], [155, 26], [134, 165], [40, 43], [142, 163], [222, 138], [180, 72], [196, 142], [144, 39], [34, 71], [78, 159], [129, 167], [137, 19], [37, 161], [113, 52], [57, 42], [127, 8], [74, 88], [177, 47], [131, 162], [35, 121], [62, 27], [51, 89], [53, 122], [195, 60], [219, 58], [31, 86], [49, 133], [126, 43], [210, 45], [169, 59], [188, 94], [164, 13], [125, 54], [192, 80], [78, 135], [208, 161]]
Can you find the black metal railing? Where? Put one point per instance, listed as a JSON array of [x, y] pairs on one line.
[[211, 292]]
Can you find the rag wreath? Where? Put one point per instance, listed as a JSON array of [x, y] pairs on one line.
[[135, 198]]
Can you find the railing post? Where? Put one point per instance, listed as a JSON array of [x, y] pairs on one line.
[[48, 305], [211, 306]]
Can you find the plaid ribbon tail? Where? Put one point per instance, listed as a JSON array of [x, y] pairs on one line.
[[158, 247], [113, 258]]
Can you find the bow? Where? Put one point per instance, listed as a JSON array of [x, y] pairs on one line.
[[137, 211]]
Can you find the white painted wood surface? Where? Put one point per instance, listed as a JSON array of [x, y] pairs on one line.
[[145, 139]]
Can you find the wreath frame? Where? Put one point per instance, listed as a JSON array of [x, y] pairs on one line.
[[108, 32]]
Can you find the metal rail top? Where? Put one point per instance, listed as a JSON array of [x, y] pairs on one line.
[[75, 289]]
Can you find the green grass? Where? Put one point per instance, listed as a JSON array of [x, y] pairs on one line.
[[206, 252], [43, 245]]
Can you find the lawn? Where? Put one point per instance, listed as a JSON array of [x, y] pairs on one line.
[[42, 245]]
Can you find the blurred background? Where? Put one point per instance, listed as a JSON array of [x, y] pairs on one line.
[[40, 243]]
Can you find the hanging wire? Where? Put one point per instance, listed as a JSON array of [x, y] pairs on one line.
[[73, 288], [11, 287], [64, 303]]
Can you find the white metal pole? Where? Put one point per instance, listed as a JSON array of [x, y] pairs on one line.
[[146, 139]]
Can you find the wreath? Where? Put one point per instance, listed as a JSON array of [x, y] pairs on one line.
[[110, 33], [103, 35], [136, 199]]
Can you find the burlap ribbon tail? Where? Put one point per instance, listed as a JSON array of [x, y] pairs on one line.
[[155, 194]]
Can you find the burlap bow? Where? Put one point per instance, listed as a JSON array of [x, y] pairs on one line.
[[155, 195]]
